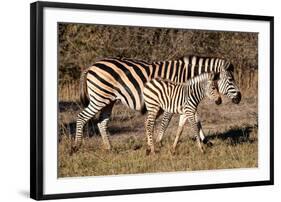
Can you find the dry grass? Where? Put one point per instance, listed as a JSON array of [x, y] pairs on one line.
[[69, 91], [125, 159], [234, 136]]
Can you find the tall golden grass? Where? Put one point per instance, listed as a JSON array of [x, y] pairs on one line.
[[69, 91]]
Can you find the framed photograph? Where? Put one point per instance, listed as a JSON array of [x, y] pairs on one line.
[[136, 100]]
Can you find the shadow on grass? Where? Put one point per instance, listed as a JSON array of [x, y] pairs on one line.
[[235, 136], [91, 129]]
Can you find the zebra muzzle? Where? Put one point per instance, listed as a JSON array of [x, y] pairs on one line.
[[237, 98], [218, 101]]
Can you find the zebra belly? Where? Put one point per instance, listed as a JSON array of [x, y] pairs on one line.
[[172, 109], [103, 83]]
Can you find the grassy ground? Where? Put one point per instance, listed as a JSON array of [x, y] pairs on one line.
[[232, 129]]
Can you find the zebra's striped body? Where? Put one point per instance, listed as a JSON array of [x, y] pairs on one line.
[[180, 99], [123, 79]]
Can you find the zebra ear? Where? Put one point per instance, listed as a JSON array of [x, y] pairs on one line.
[[214, 76], [230, 67]]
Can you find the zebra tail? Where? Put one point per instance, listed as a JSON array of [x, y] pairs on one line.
[[84, 98]]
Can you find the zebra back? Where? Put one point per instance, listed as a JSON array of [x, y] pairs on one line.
[[171, 96], [124, 79]]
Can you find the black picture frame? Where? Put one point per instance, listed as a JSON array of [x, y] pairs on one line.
[[37, 99]]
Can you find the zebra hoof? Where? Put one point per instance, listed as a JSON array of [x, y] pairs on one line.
[[202, 150], [137, 146], [159, 144], [173, 151], [156, 151], [208, 143], [73, 149], [148, 151]]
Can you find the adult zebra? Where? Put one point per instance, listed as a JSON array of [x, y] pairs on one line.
[[178, 98], [123, 79]]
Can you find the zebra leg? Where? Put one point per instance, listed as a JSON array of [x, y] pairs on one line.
[[201, 133], [182, 121], [103, 124], [149, 128], [195, 127], [82, 118], [164, 124]]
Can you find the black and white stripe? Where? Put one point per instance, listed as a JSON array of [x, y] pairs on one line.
[[182, 99], [123, 79], [226, 85]]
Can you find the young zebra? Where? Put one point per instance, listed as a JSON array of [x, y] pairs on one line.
[[180, 99]]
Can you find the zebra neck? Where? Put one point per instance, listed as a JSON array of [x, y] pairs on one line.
[[195, 65], [196, 91]]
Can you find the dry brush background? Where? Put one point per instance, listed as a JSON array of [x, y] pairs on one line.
[[232, 128]]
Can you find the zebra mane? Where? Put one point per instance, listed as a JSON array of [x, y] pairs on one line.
[[197, 79], [227, 65], [201, 56]]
